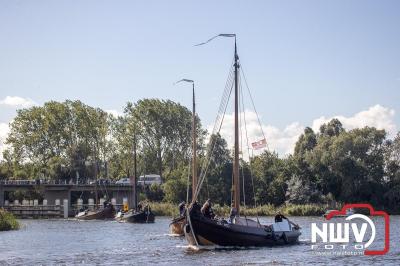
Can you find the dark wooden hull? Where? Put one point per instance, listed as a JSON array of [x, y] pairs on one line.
[[106, 213], [177, 225], [203, 231], [139, 217]]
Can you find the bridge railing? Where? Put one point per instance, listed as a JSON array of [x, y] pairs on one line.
[[58, 182]]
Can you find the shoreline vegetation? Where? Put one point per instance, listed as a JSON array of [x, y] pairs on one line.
[[8, 221], [170, 209]]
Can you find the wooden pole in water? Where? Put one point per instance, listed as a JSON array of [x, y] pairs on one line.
[[236, 184]]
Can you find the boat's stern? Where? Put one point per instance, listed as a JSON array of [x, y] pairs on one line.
[[286, 231]]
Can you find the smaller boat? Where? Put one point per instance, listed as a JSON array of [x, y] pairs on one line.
[[108, 212], [137, 214], [348, 213], [140, 216]]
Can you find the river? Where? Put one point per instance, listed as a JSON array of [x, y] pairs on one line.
[[71, 242]]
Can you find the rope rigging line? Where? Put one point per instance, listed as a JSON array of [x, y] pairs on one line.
[[248, 151], [217, 128], [203, 173], [207, 188], [242, 168], [222, 108], [218, 124], [224, 99], [254, 107], [241, 112], [188, 182]]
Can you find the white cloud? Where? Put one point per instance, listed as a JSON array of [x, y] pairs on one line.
[[278, 140], [115, 113], [376, 116], [4, 130], [284, 140], [16, 101]]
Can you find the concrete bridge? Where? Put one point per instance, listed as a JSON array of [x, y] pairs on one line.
[[71, 192]]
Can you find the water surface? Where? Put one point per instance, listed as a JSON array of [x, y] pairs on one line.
[[70, 242]]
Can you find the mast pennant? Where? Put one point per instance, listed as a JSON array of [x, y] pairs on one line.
[[259, 144], [219, 35]]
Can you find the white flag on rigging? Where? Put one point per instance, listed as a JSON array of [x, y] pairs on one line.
[[259, 144]]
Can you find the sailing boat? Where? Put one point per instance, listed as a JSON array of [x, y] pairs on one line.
[[177, 224], [138, 214], [107, 211], [202, 230]]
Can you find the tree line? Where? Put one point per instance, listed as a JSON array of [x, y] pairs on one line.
[[71, 140]]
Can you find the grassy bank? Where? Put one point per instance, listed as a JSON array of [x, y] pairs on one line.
[[169, 209], [7, 221]]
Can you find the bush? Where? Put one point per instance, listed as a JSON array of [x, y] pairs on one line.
[[304, 210], [154, 192], [170, 209], [164, 209], [175, 190], [7, 221]]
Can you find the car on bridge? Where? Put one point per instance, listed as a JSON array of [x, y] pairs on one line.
[[124, 181]]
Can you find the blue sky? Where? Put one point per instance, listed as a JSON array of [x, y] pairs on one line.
[[303, 59]]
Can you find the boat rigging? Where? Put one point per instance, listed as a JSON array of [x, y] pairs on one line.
[[203, 229]]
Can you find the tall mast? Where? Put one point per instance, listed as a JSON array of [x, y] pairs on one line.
[[134, 171], [194, 148], [95, 177], [236, 184], [194, 143]]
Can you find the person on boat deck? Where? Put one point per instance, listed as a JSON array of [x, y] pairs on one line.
[[182, 208], [147, 208], [139, 207], [207, 210], [279, 218], [233, 213]]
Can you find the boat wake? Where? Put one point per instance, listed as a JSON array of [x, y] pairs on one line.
[[213, 247], [190, 247], [304, 241], [173, 235]]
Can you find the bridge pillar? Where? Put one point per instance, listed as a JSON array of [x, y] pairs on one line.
[[61, 193]]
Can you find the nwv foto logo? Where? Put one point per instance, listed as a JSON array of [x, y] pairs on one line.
[[337, 235], [340, 232]]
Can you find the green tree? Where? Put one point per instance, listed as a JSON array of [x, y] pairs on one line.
[[270, 178], [164, 128], [332, 128], [392, 172], [218, 179], [58, 138]]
